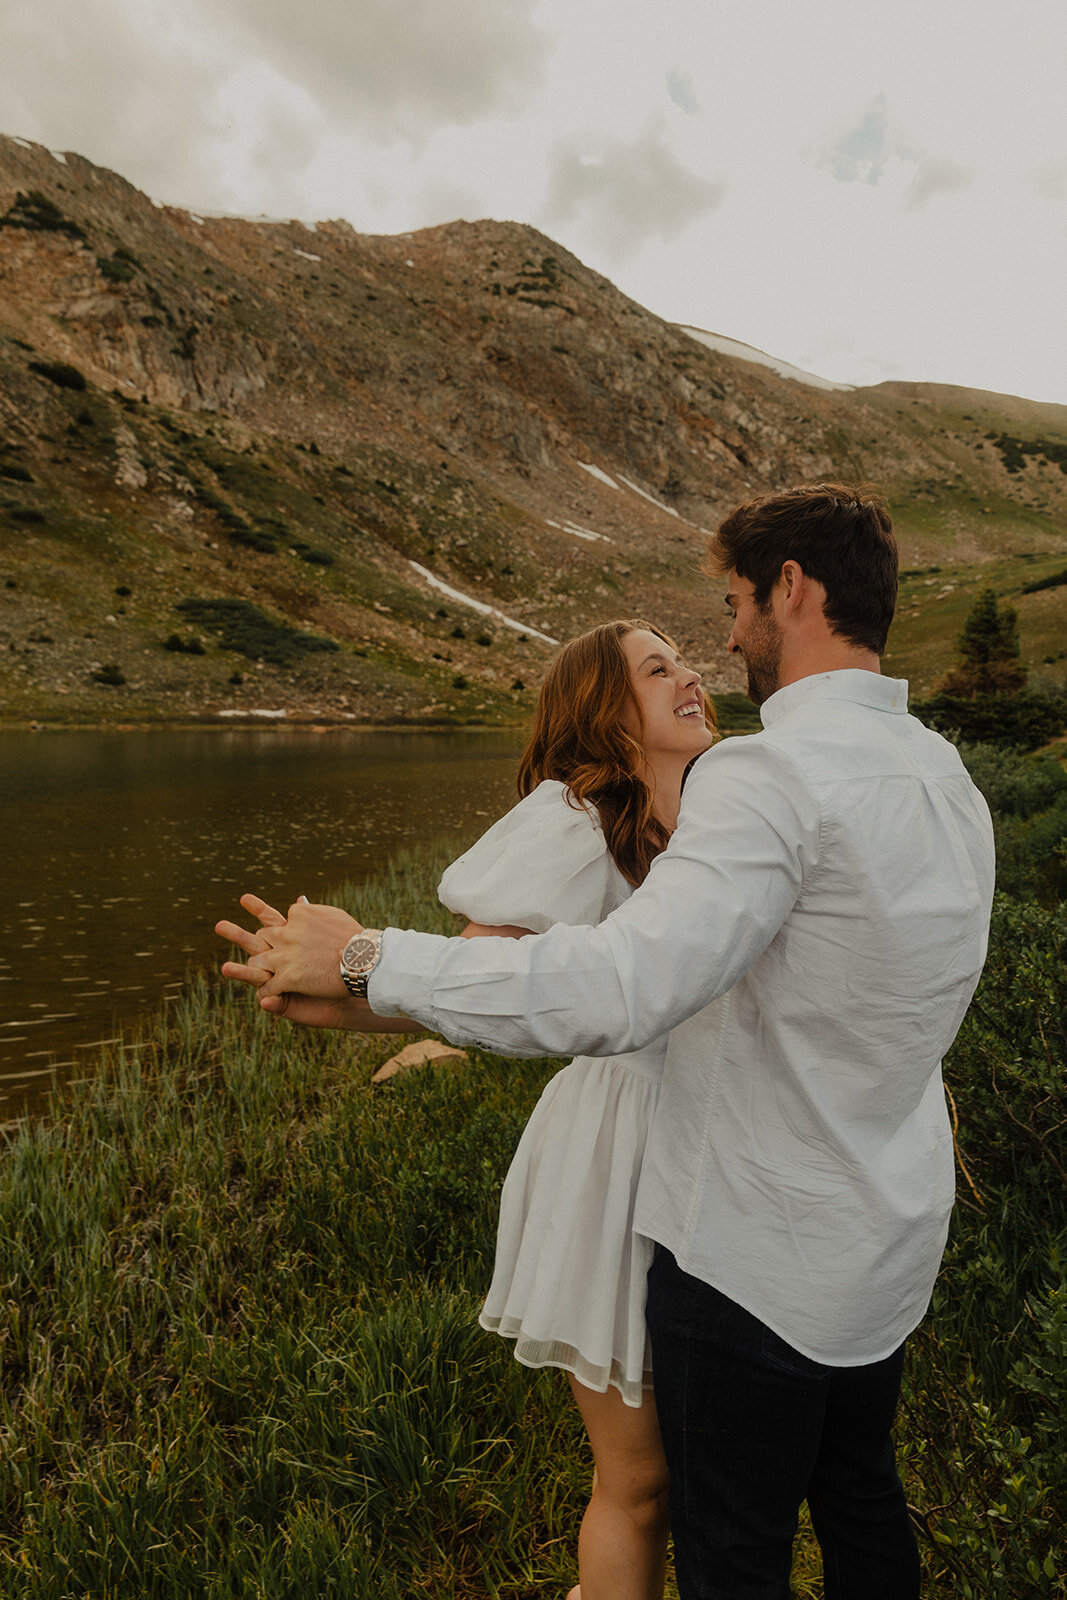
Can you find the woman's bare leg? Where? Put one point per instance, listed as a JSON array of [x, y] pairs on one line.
[[622, 1548]]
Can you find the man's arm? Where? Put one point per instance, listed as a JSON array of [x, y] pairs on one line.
[[305, 945], [748, 835]]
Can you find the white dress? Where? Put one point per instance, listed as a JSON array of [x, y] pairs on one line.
[[569, 1278]]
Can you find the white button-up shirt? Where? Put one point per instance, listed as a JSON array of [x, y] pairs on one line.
[[812, 935]]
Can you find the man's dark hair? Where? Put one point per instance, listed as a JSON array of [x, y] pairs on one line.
[[840, 534]]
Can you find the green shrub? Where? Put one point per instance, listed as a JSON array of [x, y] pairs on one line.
[[189, 647], [1032, 853], [238, 529], [735, 713], [312, 555], [1054, 581], [242, 626], [991, 1358], [61, 373], [1022, 721], [110, 674], [34, 211], [114, 268], [1014, 784]]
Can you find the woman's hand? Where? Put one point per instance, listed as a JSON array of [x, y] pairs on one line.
[[251, 940]]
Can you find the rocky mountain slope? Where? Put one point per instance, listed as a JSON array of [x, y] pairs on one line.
[[251, 466]]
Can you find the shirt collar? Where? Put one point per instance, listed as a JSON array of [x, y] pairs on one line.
[[848, 683]]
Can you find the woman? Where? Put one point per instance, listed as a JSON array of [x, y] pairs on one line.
[[619, 720]]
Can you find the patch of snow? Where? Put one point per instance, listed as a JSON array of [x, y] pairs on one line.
[[409, 263], [236, 713], [57, 155], [194, 218], [240, 216], [748, 352], [651, 498], [306, 255], [25, 143], [596, 472], [578, 531], [479, 605]]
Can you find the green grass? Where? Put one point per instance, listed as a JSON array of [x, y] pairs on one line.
[[922, 640], [240, 1287]]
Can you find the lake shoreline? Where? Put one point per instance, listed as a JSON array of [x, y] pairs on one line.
[[252, 719]]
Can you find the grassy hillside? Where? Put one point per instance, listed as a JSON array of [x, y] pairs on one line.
[[295, 422]]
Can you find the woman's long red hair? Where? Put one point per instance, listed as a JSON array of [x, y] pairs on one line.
[[578, 739]]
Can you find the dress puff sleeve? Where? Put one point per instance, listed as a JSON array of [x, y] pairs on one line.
[[544, 862]]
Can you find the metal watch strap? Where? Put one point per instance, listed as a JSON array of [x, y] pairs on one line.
[[356, 981]]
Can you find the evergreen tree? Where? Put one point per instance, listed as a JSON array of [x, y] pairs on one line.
[[988, 652]]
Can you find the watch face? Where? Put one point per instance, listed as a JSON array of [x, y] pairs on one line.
[[360, 951]]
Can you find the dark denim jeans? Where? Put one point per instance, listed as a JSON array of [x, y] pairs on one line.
[[751, 1428]]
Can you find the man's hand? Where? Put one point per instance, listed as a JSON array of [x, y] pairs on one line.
[[294, 955]]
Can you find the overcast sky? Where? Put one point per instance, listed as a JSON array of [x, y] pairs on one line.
[[869, 189]]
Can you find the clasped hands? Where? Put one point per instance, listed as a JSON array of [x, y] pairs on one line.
[[294, 961]]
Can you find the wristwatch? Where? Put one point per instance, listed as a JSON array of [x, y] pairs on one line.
[[359, 959]]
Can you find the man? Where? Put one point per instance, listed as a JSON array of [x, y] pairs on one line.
[[813, 936]]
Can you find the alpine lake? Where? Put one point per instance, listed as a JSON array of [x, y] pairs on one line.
[[122, 848]]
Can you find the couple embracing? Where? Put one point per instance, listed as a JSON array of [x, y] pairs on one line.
[[764, 972]]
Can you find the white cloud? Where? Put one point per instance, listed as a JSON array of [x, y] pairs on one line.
[[394, 70], [936, 177], [1051, 183], [863, 151], [443, 201], [222, 102], [680, 88], [625, 194]]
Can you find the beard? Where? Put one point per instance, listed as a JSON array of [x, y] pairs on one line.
[[762, 652]]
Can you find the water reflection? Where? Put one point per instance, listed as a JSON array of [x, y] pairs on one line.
[[120, 849]]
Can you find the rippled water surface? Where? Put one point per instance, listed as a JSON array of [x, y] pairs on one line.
[[120, 850]]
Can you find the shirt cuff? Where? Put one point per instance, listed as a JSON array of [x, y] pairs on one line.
[[402, 980]]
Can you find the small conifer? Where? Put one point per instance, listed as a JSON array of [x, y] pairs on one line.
[[988, 652]]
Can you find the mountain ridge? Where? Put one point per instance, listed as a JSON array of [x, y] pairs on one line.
[[300, 422]]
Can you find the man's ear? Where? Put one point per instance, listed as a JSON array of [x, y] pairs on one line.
[[792, 581]]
